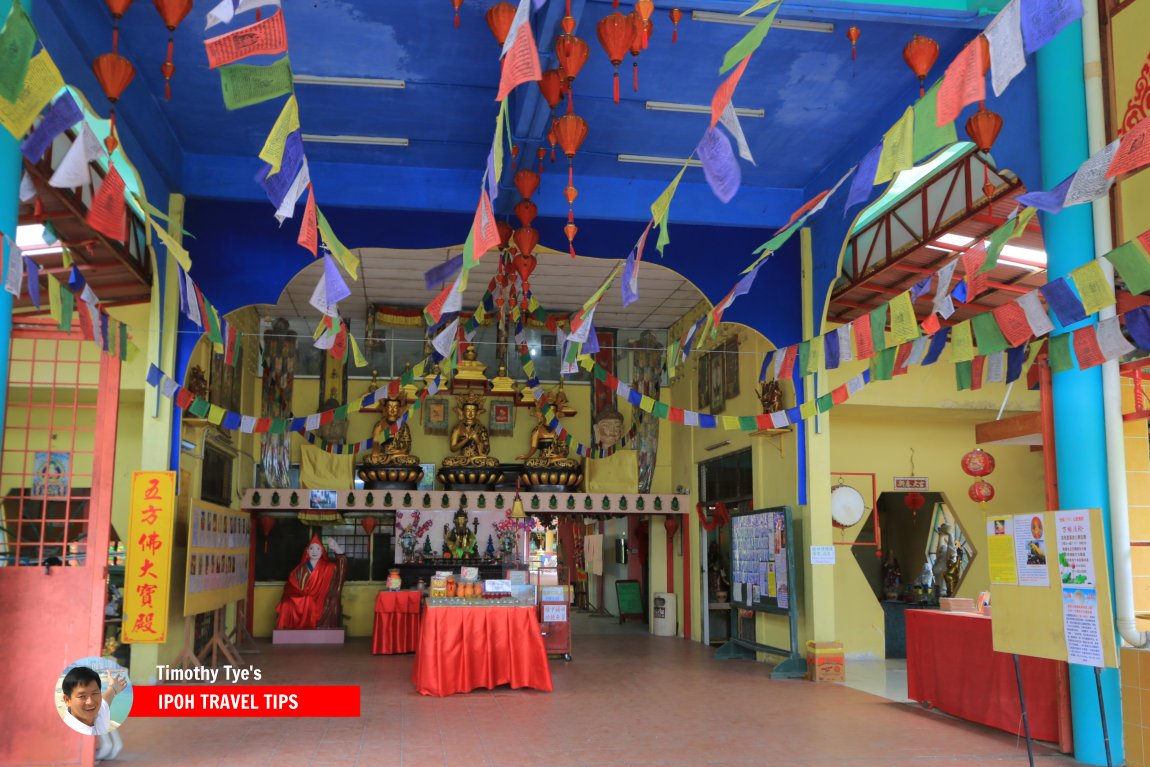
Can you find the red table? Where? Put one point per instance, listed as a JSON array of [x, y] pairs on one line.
[[396, 622], [951, 664], [465, 648]]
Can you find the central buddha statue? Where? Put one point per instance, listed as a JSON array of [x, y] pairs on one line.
[[546, 463], [390, 463], [471, 462], [459, 540]]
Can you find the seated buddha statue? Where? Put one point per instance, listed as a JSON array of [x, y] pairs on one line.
[[547, 462], [459, 539], [471, 461], [390, 459]]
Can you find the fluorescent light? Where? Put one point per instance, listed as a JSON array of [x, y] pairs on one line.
[[957, 240], [702, 109], [316, 138], [350, 82], [643, 159], [750, 21]]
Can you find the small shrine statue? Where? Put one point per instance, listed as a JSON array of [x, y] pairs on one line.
[[471, 461], [943, 552], [312, 593], [428, 552], [953, 570], [490, 547], [197, 382], [718, 581], [390, 459], [771, 397], [459, 539], [562, 405], [374, 383], [891, 576], [547, 462]]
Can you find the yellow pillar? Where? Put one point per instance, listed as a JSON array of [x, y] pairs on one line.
[[156, 438], [819, 594]]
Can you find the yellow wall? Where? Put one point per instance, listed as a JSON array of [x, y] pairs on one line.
[[879, 439]]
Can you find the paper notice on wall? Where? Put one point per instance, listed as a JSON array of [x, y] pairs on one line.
[[1030, 550], [772, 581], [1000, 550], [737, 591], [782, 582], [554, 613], [1080, 626], [1075, 552]]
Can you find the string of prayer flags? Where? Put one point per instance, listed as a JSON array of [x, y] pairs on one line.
[[1086, 348], [75, 170], [347, 259], [903, 324], [977, 367], [929, 136], [864, 179], [246, 84], [1051, 201], [937, 344], [720, 167], [730, 120], [285, 125], [1133, 150], [878, 327], [986, 331], [960, 292], [1007, 55], [1138, 324], [17, 40], [961, 342], [1092, 286], [1012, 321], [521, 64], [1015, 358], [1133, 266], [750, 42], [59, 117], [42, 82], [882, 365], [278, 184], [1063, 302], [1036, 316], [864, 342], [449, 301], [227, 9], [921, 287], [661, 208], [107, 213], [1015, 226], [1090, 182], [14, 266], [964, 82], [815, 355], [976, 281], [1110, 339], [175, 249], [265, 37], [33, 271], [897, 148], [522, 14], [308, 226], [484, 230], [630, 282], [726, 91], [1043, 19], [962, 375]]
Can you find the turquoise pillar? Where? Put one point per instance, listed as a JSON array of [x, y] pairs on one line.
[[11, 163], [1078, 428]]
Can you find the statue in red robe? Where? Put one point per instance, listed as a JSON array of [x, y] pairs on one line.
[[311, 597]]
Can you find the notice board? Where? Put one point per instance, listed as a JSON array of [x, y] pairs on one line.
[[217, 570], [1050, 586]]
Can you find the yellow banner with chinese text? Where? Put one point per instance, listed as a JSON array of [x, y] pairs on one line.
[[148, 575]]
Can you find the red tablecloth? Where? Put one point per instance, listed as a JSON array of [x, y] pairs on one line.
[[396, 622], [951, 664], [465, 648]]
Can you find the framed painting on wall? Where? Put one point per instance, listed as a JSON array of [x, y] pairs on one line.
[[501, 418], [435, 415], [731, 368], [704, 392], [50, 473], [718, 389]]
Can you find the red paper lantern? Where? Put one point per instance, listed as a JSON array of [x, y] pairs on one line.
[[671, 525], [551, 86], [455, 4], [645, 8], [504, 230], [983, 127], [914, 501], [978, 463], [571, 130], [526, 238], [115, 74], [676, 17], [526, 211], [552, 139], [524, 265], [640, 31], [615, 34], [853, 35], [572, 53], [920, 54], [540, 153], [526, 181], [981, 492], [118, 8], [172, 12], [499, 18], [368, 524]]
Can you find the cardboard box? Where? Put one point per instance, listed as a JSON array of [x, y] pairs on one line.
[[956, 605], [826, 662]]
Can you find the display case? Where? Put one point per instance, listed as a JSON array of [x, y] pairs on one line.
[[554, 603]]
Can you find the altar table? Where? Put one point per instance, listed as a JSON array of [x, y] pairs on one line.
[[951, 665], [465, 648], [396, 622]]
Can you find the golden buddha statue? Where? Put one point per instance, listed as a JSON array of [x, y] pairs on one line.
[[390, 461], [459, 539], [547, 462], [471, 462]]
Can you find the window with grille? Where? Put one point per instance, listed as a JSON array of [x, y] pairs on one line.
[[368, 557], [48, 450]]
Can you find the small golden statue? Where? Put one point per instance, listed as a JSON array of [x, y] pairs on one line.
[[547, 462], [560, 402], [459, 540], [771, 396], [471, 462], [374, 383], [502, 383], [470, 368], [390, 462]]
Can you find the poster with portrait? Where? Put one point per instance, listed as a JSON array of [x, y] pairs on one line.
[[501, 417], [1030, 550], [50, 473], [217, 569]]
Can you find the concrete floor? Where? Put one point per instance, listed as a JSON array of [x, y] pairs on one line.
[[628, 698]]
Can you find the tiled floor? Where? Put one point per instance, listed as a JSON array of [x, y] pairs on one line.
[[628, 698], [884, 678]]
